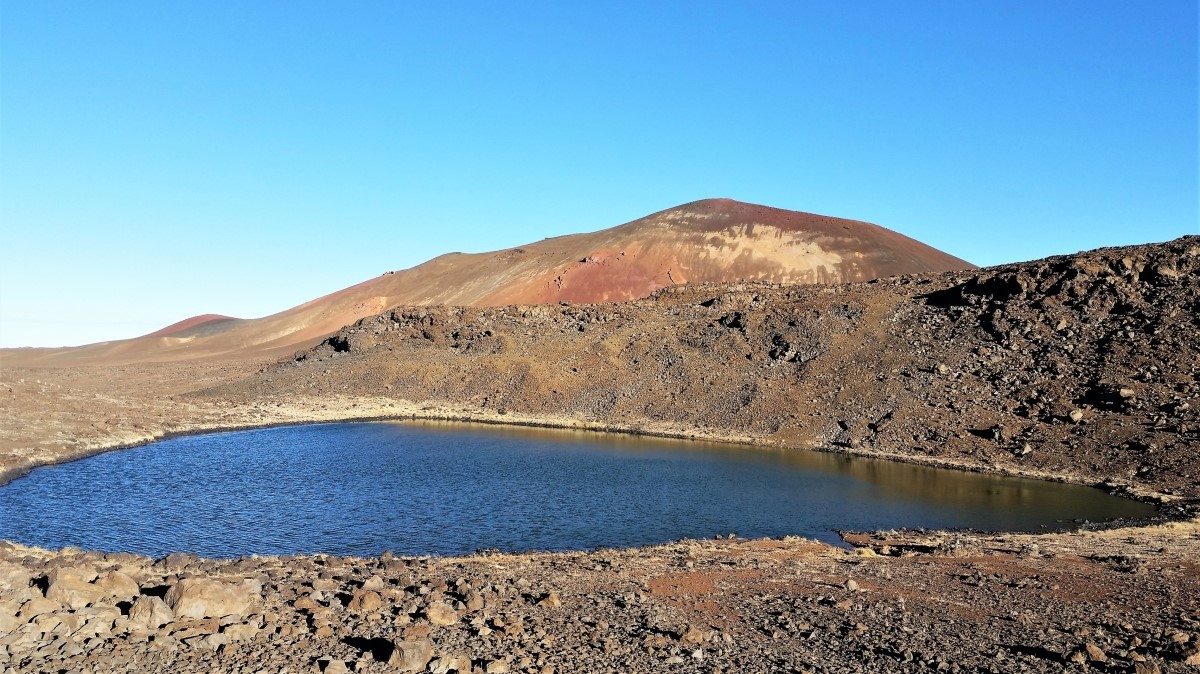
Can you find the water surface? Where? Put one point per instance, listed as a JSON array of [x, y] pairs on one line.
[[438, 488]]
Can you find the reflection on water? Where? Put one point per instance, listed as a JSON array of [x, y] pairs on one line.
[[449, 488]]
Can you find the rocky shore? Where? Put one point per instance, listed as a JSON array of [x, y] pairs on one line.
[[1120, 600]]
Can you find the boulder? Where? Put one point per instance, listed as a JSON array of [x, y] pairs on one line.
[[474, 601], [118, 585], [9, 622], [335, 666], [14, 577], [208, 598], [150, 612], [411, 655], [451, 663], [365, 601], [72, 587], [241, 631], [36, 607], [693, 635], [441, 613]]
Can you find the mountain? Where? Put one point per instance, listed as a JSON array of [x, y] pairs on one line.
[[714, 240]]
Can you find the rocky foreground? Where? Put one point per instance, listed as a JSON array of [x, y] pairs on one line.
[[1115, 601], [1082, 368]]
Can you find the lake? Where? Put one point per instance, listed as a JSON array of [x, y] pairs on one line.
[[419, 488]]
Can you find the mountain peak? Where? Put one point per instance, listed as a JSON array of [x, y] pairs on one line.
[[707, 241]]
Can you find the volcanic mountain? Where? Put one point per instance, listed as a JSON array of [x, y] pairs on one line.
[[713, 240]]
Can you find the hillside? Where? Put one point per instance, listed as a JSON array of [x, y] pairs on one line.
[[1085, 365], [711, 241]]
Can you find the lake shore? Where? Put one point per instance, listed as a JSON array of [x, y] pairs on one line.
[[920, 600], [99, 409]]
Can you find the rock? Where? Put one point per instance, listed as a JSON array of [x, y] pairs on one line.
[[411, 655], [209, 642], [9, 622], [206, 598], [1094, 653], [365, 601], [551, 600], [441, 613], [1148, 667], [335, 666], [306, 604], [693, 635], [852, 585], [497, 667], [373, 583], [942, 369], [474, 601], [36, 607], [451, 663], [240, 631], [73, 588], [324, 585], [14, 577], [150, 612], [118, 585], [176, 561], [1076, 415]]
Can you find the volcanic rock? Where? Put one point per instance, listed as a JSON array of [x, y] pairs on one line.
[[411, 655], [207, 598], [150, 612]]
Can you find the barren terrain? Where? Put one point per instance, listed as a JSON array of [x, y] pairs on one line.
[[714, 240], [1080, 368]]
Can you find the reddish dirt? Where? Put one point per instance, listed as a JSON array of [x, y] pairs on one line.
[[188, 324]]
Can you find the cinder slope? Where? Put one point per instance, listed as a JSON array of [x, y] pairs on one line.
[[1085, 365], [710, 241], [196, 325]]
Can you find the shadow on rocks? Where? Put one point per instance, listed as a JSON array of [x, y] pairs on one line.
[[380, 649]]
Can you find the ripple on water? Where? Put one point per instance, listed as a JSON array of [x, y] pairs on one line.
[[438, 488]]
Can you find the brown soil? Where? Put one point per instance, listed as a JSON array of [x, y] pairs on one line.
[[1080, 368]]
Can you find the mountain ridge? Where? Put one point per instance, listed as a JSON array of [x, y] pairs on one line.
[[710, 240]]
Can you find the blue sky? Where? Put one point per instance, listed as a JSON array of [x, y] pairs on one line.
[[160, 160]]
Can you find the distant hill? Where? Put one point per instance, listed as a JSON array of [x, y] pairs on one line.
[[714, 240]]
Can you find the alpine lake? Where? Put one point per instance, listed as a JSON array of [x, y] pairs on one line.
[[440, 488]]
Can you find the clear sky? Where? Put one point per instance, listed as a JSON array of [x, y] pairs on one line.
[[162, 159]]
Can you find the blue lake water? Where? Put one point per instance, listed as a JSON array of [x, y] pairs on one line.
[[437, 488]]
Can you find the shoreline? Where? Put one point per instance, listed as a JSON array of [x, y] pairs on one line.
[[347, 412]]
